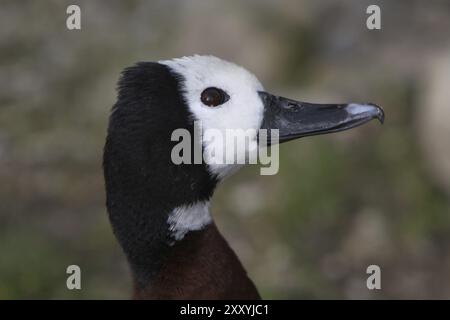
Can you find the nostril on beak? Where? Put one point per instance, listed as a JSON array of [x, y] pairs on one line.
[[291, 106]]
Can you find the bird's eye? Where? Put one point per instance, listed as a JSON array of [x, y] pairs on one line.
[[213, 97]]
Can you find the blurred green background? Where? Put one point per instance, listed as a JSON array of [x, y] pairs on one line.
[[373, 195]]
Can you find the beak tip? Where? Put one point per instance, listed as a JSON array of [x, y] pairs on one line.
[[368, 110], [379, 113]]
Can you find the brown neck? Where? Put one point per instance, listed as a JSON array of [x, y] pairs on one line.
[[201, 266]]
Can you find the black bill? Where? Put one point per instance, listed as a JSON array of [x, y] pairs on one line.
[[295, 119]]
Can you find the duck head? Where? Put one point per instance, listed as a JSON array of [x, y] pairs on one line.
[[153, 203]]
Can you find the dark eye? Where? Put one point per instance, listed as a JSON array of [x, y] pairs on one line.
[[213, 97]]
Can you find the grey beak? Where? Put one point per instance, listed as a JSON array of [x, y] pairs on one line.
[[295, 119]]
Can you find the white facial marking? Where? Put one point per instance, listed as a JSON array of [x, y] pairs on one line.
[[188, 218], [355, 108], [244, 110]]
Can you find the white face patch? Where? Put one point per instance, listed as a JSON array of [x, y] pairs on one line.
[[188, 218], [244, 110]]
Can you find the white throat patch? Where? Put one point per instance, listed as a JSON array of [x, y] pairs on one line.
[[188, 218]]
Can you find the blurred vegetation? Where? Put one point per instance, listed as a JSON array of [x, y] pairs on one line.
[[339, 203]]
